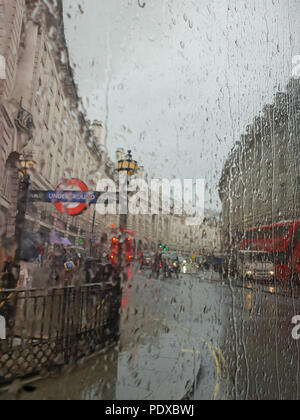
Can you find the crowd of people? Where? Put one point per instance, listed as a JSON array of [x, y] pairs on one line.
[[165, 265], [53, 266], [8, 268]]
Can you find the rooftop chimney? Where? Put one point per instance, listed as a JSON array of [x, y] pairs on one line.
[[98, 130]]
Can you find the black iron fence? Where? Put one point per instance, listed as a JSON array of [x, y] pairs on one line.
[[46, 329]]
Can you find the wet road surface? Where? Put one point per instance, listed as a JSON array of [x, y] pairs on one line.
[[242, 333], [234, 341]]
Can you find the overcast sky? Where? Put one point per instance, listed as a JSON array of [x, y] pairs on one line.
[[178, 81]]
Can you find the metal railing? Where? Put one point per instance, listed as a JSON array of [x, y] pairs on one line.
[[46, 329]]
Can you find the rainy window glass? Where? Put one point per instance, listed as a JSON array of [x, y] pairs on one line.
[[149, 201]]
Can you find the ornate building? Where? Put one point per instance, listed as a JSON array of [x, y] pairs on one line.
[[41, 114], [151, 230], [16, 123], [260, 183]]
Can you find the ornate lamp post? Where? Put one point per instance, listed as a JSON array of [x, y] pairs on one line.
[[129, 167], [27, 163]]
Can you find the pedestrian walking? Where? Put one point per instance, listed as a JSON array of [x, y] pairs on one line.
[[87, 269], [57, 260], [40, 255]]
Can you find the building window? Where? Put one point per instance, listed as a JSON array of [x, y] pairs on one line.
[[283, 194], [58, 174], [47, 114], [61, 143], [58, 101], [298, 188], [269, 195], [5, 187], [270, 170], [282, 166], [50, 164], [258, 150]]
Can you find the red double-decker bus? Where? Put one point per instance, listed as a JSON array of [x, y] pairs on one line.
[[282, 242]]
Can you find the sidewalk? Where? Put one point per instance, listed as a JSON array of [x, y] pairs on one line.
[[155, 359], [152, 362]]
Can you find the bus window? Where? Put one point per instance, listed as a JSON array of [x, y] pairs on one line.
[[282, 231], [297, 238], [280, 258]]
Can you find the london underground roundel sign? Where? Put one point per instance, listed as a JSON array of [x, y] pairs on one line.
[[63, 207]]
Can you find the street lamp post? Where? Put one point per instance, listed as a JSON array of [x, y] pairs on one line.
[[129, 167], [92, 233], [26, 163]]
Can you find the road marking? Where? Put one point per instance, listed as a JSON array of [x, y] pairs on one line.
[[190, 351], [214, 355], [221, 355], [218, 367], [217, 362]]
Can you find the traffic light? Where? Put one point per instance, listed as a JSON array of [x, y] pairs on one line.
[[114, 244], [114, 250], [166, 247], [127, 250]]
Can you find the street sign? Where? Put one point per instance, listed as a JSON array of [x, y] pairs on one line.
[[70, 211], [71, 197], [61, 197], [65, 196]]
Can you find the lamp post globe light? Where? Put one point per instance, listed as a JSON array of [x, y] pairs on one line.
[[126, 167], [27, 163], [129, 167]]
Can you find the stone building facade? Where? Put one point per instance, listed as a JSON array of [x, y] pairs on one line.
[[41, 114], [13, 134], [260, 183], [152, 230]]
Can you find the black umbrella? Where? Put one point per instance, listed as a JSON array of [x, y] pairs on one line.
[[29, 246]]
